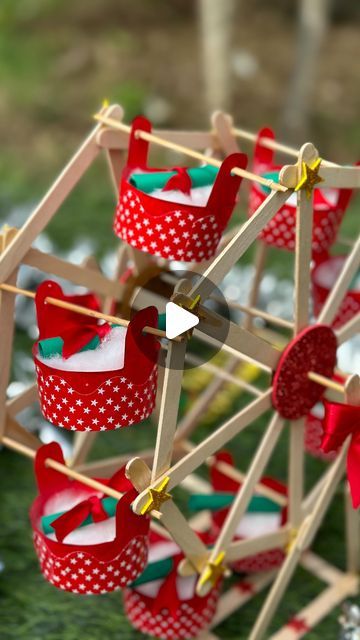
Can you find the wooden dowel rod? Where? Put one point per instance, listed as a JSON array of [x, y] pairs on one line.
[[62, 468], [326, 382], [75, 475], [150, 137], [256, 313], [82, 310], [269, 143]]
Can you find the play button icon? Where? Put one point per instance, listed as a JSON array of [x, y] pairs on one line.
[[178, 320]]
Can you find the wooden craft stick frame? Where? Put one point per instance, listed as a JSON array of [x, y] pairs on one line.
[[305, 513]]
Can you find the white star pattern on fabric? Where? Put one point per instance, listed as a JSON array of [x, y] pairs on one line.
[[179, 230], [280, 231], [95, 411], [82, 572], [188, 622]]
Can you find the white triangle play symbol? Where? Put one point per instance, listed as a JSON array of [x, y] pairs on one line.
[[178, 320]]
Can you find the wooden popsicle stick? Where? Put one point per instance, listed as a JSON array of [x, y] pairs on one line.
[[211, 444], [78, 274], [236, 248], [340, 177], [51, 202], [352, 529], [257, 349], [83, 443], [56, 302], [224, 132], [188, 422], [303, 539], [236, 597], [239, 476], [169, 408], [337, 293], [7, 324], [255, 313], [227, 377], [107, 467], [241, 502], [261, 251], [320, 607], [320, 568], [17, 432], [109, 138], [22, 400], [349, 329], [245, 548], [171, 517], [302, 278], [150, 137]]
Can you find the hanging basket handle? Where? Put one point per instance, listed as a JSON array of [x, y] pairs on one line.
[[223, 195], [138, 148], [263, 155], [141, 351]]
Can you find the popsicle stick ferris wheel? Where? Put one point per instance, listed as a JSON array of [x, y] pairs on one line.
[[299, 374]]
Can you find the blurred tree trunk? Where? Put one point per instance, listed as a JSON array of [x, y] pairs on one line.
[[216, 21], [312, 27]]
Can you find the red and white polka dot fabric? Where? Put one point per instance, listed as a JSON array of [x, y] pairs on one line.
[[97, 400], [167, 229], [314, 432], [329, 207], [188, 621], [86, 568], [168, 608], [324, 276]]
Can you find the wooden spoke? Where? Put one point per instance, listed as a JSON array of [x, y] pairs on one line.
[[212, 443]]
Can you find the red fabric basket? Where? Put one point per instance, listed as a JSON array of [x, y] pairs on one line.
[[93, 568], [265, 560], [280, 231], [167, 616], [351, 302], [91, 400], [172, 230]]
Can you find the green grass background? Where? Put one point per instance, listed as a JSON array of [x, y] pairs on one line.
[[57, 61]]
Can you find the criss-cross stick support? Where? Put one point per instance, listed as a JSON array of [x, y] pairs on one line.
[[241, 501]]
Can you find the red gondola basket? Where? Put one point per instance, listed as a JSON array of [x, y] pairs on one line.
[[329, 206], [324, 275], [97, 400], [162, 613], [172, 230], [265, 560], [86, 568]]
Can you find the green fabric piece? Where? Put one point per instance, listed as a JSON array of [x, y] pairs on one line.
[[162, 321], [271, 175], [147, 182], [109, 505], [154, 571], [51, 347], [215, 501]]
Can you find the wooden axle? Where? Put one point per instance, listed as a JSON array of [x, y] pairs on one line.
[[150, 137]]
